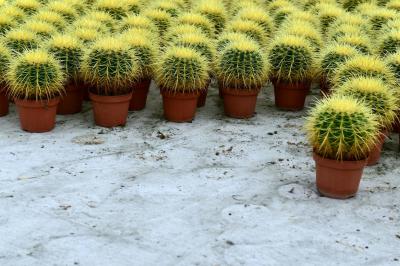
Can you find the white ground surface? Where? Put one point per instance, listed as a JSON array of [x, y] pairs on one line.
[[217, 191]]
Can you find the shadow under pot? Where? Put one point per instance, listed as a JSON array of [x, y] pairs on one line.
[[37, 116], [139, 95], [291, 96], [3, 102], [338, 179], [179, 106], [110, 111], [240, 103], [71, 102]]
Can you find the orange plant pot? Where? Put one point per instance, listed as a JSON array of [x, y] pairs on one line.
[[336, 179], [375, 153], [139, 95], [110, 111], [240, 103], [3, 103], [291, 96], [71, 102], [179, 106], [37, 116]]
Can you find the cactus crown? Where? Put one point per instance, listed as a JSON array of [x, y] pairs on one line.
[[182, 69], [13, 12], [161, 19], [145, 51], [68, 50], [249, 28], [365, 66], [343, 29], [35, 75], [394, 4], [303, 29], [328, 14], [5, 59], [86, 35], [19, 40], [214, 11], [133, 6], [283, 13], [28, 6], [350, 5], [90, 23], [63, 8], [258, 16], [360, 42], [389, 43], [227, 38], [175, 32], [50, 17], [380, 16], [199, 43], [102, 17], [110, 66], [115, 8], [168, 6], [6, 23], [393, 62], [342, 128], [375, 94], [242, 65], [199, 21], [137, 21], [291, 58], [40, 28]]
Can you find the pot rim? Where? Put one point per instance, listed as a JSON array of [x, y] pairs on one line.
[[241, 92], [336, 164], [37, 103], [110, 99]]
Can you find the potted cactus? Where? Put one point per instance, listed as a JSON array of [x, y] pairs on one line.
[[19, 40], [28, 6], [110, 68], [378, 96], [292, 63], [181, 75], [68, 50], [214, 11], [342, 131], [35, 81], [146, 52], [393, 62], [242, 70], [5, 58]]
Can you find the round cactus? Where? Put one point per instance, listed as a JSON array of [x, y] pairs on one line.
[[333, 56], [327, 15], [116, 9], [86, 35], [91, 23], [350, 5], [68, 50], [197, 20], [137, 21], [393, 62], [393, 4], [175, 32], [13, 12], [102, 17], [375, 94], [291, 58], [35, 75], [389, 43], [28, 6], [110, 66], [63, 8], [214, 11], [228, 37], [258, 16], [249, 28], [282, 14], [199, 43], [380, 16], [161, 19], [40, 28], [6, 24], [51, 17], [365, 66], [303, 29], [133, 6], [360, 42], [171, 7], [182, 69], [242, 65], [342, 128], [5, 59], [146, 52], [20, 40]]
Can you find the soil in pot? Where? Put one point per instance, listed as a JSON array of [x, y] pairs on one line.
[[179, 106], [110, 111], [3, 103], [338, 179], [291, 96], [37, 116], [240, 103], [139, 95], [375, 153], [71, 102]]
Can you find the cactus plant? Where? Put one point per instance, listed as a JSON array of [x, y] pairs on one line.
[[182, 69], [102, 17], [199, 43], [393, 62], [389, 43], [13, 12], [160, 18], [249, 28], [35, 75], [6, 24], [19, 40], [258, 16], [303, 29], [360, 42], [133, 6], [197, 20], [137, 21], [327, 15], [63, 8], [68, 50], [350, 5], [242, 65], [214, 11], [171, 7], [117, 9], [51, 17], [28, 6], [375, 94], [40, 28], [342, 128], [394, 4], [110, 66], [176, 31], [5, 59], [227, 38], [86, 35], [366, 66], [292, 59]]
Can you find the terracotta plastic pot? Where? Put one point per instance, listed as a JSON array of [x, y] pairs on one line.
[[291, 96], [37, 116], [85, 88], [240, 103], [336, 179], [375, 153], [71, 102], [179, 106], [110, 111], [139, 95], [3, 103], [203, 97]]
